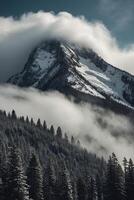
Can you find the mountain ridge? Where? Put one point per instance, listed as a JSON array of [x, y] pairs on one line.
[[77, 71]]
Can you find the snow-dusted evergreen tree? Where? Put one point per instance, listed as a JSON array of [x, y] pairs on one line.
[[129, 181], [27, 119], [1, 181], [14, 116], [114, 184], [52, 131], [32, 122], [15, 181], [92, 191], [5, 180], [75, 194], [22, 119], [99, 187], [44, 125], [39, 125], [81, 189], [35, 178], [49, 183], [1, 189], [72, 140], [66, 191], [59, 132]]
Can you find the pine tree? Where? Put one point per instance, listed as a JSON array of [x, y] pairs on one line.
[[129, 181], [49, 183], [4, 113], [92, 191], [59, 132], [1, 190], [22, 119], [99, 187], [5, 180], [15, 180], [35, 179], [75, 194], [81, 189], [9, 115], [66, 186], [32, 122], [39, 125], [27, 120], [72, 140], [114, 184], [1, 184], [78, 143], [14, 116], [44, 125], [52, 131], [125, 164]]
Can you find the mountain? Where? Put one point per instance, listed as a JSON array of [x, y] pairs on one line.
[[77, 71]]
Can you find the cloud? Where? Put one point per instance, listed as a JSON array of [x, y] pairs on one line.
[[19, 36], [81, 120]]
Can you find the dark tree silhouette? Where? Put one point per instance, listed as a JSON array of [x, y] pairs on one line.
[[35, 179]]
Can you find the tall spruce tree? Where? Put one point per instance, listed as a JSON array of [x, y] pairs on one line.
[[39, 125], [81, 189], [5, 178], [32, 122], [15, 181], [92, 191], [49, 183], [35, 179], [1, 190], [99, 187], [52, 131], [14, 116], [27, 119], [72, 140], [59, 132], [66, 191], [1, 183], [114, 184], [129, 181], [75, 194], [44, 125]]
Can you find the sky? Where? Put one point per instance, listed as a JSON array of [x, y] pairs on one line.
[[117, 15]]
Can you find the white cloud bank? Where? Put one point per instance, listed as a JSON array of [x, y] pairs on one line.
[[79, 120], [19, 36]]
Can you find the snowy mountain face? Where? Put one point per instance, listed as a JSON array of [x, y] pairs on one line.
[[76, 71]]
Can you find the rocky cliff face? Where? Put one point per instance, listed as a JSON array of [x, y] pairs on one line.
[[55, 65]]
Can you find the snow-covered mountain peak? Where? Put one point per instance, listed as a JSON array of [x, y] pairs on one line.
[[76, 71]]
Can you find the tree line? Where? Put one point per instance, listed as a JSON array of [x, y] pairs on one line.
[[39, 163], [36, 183]]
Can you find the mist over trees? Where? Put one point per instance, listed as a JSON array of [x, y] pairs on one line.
[[41, 163]]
